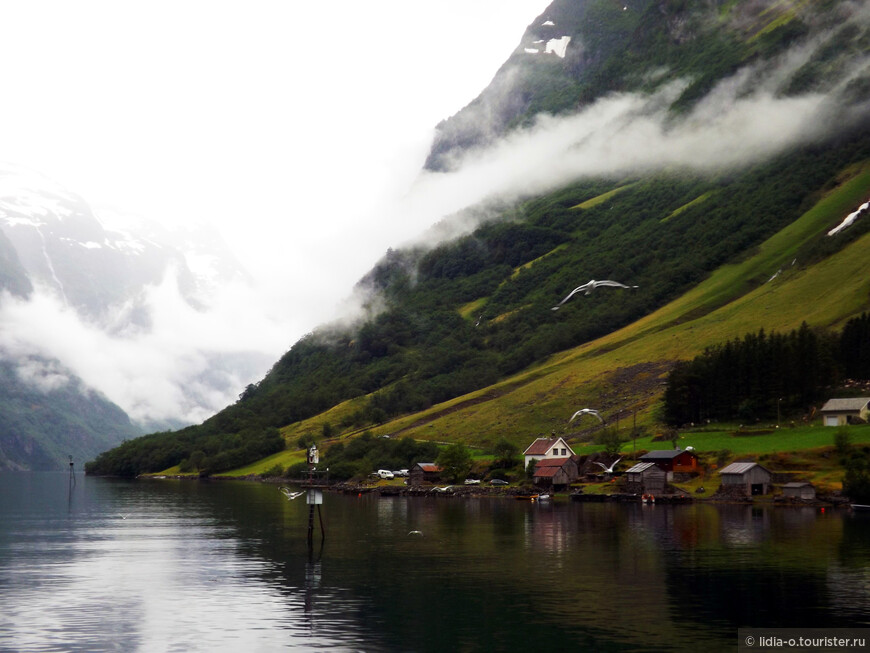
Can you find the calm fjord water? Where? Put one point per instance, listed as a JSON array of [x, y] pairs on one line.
[[197, 566]]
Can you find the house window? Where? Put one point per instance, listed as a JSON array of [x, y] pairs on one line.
[[564, 452]]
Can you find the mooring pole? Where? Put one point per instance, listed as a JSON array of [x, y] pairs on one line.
[[322, 529], [311, 496]]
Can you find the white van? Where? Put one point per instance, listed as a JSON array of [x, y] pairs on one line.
[[385, 474]]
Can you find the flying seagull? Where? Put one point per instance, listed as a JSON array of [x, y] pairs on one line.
[[587, 289], [587, 411], [610, 469], [291, 495]]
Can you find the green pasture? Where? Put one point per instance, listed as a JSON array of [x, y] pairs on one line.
[[736, 299]]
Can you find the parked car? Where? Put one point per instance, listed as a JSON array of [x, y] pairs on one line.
[[400, 472], [498, 481], [472, 481], [385, 474]]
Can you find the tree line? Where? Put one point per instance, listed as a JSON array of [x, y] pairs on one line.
[[763, 374]]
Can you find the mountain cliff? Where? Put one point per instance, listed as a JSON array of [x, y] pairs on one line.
[[580, 51], [661, 144], [66, 263]]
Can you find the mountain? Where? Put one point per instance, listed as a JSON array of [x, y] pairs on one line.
[[577, 52], [61, 245], [47, 414], [699, 153], [56, 251]]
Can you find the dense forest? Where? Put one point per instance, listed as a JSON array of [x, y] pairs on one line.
[[763, 374], [41, 425]]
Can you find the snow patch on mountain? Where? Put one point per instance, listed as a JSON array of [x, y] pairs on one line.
[[558, 46]]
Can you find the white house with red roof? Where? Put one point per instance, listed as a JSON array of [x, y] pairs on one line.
[[547, 448]]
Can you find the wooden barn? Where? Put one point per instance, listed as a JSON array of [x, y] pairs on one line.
[[546, 448], [799, 491], [424, 473], [647, 478], [672, 460], [752, 477], [839, 412], [555, 472]]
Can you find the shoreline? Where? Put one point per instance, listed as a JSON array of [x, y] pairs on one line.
[[521, 493]]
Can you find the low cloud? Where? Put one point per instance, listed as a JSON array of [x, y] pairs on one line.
[[743, 120], [188, 365], [42, 375]]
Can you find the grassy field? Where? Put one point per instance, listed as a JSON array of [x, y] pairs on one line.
[[698, 200], [600, 199]]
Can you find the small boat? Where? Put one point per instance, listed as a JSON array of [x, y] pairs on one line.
[[526, 497], [543, 497], [860, 507], [648, 498]]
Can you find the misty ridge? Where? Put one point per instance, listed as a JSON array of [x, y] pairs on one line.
[[746, 118]]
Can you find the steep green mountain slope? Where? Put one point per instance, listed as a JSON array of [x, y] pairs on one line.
[[464, 343], [623, 371], [52, 415]]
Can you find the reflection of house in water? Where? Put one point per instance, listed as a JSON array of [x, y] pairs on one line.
[[391, 511], [546, 529], [744, 525], [848, 579], [676, 527]]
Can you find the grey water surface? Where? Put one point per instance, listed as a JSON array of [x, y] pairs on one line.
[[167, 565]]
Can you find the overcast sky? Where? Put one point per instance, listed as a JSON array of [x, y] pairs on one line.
[[283, 123]]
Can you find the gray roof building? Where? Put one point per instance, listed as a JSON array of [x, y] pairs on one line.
[[841, 411], [751, 477]]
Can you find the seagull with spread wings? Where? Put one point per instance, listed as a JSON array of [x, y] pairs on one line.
[[588, 287], [291, 495], [607, 469], [587, 411]]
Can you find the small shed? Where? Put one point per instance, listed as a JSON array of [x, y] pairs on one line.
[[424, 473], [647, 478], [673, 460], [799, 491], [839, 412], [550, 472], [546, 448], [752, 477]]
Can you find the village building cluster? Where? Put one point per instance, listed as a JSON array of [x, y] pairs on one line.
[[556, 466]]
